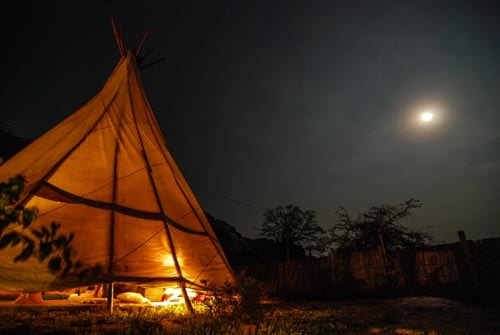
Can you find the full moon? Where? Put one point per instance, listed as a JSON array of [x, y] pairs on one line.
[[426, 116]]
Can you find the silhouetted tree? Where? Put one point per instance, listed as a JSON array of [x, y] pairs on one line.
[[378, 223], [291, 226]]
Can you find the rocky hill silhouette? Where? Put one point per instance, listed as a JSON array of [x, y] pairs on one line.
[[10, 144], [241, 250]]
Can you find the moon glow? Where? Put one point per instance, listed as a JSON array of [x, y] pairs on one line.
[[426, 116]]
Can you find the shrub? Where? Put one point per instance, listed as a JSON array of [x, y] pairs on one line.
[[241, 299]]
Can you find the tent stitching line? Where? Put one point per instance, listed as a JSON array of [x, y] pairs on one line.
[[113, 125], [37, 186], [138, 247], [206, 266]]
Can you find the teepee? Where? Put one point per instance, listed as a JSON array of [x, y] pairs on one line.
[[105, 174]]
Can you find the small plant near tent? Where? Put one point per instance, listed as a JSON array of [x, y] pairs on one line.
[[222, 299], [241, 300], [45, 243]]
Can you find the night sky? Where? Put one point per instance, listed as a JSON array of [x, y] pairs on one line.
[[312, 103]]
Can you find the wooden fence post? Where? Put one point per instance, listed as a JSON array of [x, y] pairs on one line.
[[470, 264], [333, 267], [384, 259]]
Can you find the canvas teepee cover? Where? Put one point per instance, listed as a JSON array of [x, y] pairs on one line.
[[105, 174]]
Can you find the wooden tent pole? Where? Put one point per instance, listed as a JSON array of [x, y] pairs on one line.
[[170, 241], [186, 298], [118, 37], [110, 297], [141, 44]]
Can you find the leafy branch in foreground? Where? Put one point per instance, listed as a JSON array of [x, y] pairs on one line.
[[44, 243]]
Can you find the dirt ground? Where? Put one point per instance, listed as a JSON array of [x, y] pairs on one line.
[[407, 316], [413, 316]]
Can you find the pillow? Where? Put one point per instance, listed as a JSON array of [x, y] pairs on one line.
[[132, 297]]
